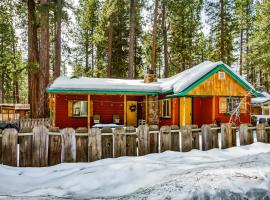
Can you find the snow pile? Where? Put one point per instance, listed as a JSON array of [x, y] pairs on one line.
[[232, 173], [176, 83]]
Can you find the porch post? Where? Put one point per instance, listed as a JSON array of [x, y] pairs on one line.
[[146, 109], [184, 115], [125, 110], [50, 107], [54, 109], [89, 111], [214, 108]]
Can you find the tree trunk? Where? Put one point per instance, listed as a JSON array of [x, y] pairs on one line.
[[110, 37], [165, 42], [154, 40], [241, 52], [222, 48], [131, 64], [32, 59], [44, 58], [57, 46]]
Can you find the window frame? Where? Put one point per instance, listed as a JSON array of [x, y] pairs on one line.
[[166, 108], [71, 108]]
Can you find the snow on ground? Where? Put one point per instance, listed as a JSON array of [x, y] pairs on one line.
[[234, 173]]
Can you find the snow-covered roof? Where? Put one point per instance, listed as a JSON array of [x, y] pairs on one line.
[[175, 84], [261, 100]]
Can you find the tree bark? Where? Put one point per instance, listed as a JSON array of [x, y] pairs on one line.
[[154, 40], [165, 41], [222, 48], [131, 64], [241, 52], [44, 58], [57, 46], [32, 59], [110, 37]]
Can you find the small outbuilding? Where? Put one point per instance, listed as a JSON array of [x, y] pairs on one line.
[[204, 94]]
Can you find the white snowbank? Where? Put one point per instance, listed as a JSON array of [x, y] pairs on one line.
[[232, 173]]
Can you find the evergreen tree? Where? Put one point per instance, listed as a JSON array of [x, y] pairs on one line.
[[220, 14]]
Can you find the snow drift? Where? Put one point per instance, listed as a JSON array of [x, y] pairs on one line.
[[238, 172]]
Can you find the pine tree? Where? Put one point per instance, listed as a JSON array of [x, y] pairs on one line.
[[222, 22]]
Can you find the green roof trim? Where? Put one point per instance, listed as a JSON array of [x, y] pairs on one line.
[[206, 76], [80, 91]]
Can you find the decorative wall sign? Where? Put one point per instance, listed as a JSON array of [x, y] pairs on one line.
[[132, 107]]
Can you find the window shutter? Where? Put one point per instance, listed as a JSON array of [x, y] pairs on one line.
[[70, 108], [170, 107], [243, 105], [222, 104]]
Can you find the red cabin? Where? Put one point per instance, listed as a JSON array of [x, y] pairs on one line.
[[205, 94]]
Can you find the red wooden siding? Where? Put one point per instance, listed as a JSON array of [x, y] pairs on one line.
[[244, 117], [202, 110], [174, 120], [104, 105], [62, 120]]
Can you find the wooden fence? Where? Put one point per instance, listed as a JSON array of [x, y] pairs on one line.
[[43, 147]]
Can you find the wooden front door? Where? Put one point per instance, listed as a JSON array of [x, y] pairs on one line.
[[202, 110], [132, 109]]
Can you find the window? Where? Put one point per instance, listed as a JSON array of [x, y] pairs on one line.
[[221, 75], [232, 104], [229, 104], [77, 108], [165, 108]]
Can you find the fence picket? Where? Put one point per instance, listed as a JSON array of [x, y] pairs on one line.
[[143, 140], [165, 139], [55, 147], [119, 142], [40, 148], [153, 138], [68, 153], [206, 137], [9, 146], [94, 145], [26, 143], [186, 138]]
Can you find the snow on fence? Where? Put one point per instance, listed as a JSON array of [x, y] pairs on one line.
[[39, 147]]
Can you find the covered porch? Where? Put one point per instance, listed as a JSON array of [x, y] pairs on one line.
[[86, 110]]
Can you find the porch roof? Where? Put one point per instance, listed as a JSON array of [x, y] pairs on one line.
[[176, 85]]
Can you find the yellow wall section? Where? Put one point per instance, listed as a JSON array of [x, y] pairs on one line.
[[214, 86], [185, 111]]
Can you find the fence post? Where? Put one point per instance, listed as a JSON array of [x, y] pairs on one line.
[[94, 145], [165, 138], [143, 138], [119, 142], [9, 146], [186, 138], [153, 137], [40, 147], [261, 133], [206, 137], [175, 144], [55, 147], [81, 135], [227, 136], [68, 153], [131, 141], [246, 135]]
